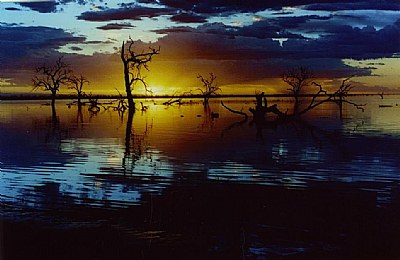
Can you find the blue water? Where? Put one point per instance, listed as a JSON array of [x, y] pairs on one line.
[[89, 158]]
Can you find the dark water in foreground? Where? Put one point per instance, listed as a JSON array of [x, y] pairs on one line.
[[179, 184]]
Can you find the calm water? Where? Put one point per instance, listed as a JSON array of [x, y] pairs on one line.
[[209, 187]]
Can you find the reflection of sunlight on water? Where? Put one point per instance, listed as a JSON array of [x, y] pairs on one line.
[[375, 120], [18, 184], [90, 163]]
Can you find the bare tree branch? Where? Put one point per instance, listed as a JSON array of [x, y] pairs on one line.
[[210, 87], [133, 64], [234, 111], [77, 83], [298, 79], [52, 77]]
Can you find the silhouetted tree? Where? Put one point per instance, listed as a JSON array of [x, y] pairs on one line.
[[261, 108], [122, 106], [298, 79], [52, 77], [301, 83], [77, 83], [134, 63], [339, 96], [209, 87], [135, 145]]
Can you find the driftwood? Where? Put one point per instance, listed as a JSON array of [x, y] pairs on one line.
[[235, 111], [261, 109]]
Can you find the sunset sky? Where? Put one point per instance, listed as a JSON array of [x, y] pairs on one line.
[[246, 44]]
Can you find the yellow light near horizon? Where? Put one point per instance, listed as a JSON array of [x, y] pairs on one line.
[[385, 71]]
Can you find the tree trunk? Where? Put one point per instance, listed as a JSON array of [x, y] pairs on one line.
[[53, 104], [205, 100], [341, 107], [128, 137], [128, 90], [79, 100], [296, 105], [53, 98]]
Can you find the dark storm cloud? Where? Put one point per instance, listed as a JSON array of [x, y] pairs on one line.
[[180, 29], [98, 42], [258, 41], [262, 30], [269, 28], [213, 43], [223, 6], [296, 21], [22, 48], [75, 48], [196, 11], [41, 7], [124, 13], [349, 42], [188, 18], [50, 6], [12, 9], [356, 5], [18, 41], [115, 26]]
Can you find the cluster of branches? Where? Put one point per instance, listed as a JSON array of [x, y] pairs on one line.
[[52, 77], [299, 80], [177, 100], [77, 83], [134, 63], [209, 87]]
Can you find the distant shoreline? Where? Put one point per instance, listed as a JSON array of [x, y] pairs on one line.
[[99, 96]]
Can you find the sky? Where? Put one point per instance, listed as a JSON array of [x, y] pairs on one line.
[[246, 44]]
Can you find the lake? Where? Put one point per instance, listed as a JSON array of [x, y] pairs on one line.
[[189, 182]]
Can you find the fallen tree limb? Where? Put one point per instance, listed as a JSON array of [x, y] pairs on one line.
[[235, 111]]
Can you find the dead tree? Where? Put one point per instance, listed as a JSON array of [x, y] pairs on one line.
[[341, 93], [134, 63], [301, 83], [317, 96], [210, 87], [122, 106], [52, 77], [298, 79], [261, 109], [77, 83]]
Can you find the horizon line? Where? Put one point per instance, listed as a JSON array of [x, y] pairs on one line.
[[143, 96]]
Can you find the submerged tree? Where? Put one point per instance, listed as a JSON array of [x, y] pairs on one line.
[[298, 79], [210, 87], [52, 77], [340, 94], [134, 63], [77, 83], [302, 86]]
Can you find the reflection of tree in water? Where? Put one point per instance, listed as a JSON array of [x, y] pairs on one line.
[[49, 196], [49, 131], [208, 118], [135, 145]]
